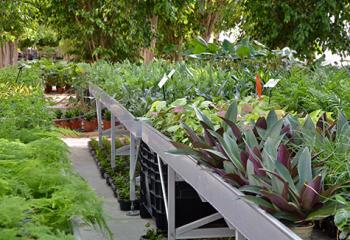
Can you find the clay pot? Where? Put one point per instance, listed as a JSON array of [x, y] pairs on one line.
[[106, 124], [89, 126], [75, 123], [63, 123], [60, 89], [48, 88], [304, 232]]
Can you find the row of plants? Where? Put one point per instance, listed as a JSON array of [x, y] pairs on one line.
[[118, 177], [225, 72], [40, 193], [76, 119], [293, 168], [293, 163]]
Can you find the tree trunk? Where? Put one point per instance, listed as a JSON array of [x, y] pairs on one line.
[[148, 53], [8, 54]]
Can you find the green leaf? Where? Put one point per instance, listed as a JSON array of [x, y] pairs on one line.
[[259, 201], [271, 118], [284, 173], [328, 209], [250, 139], [304, 167], [232, 111], [179, 102], [204, 118]]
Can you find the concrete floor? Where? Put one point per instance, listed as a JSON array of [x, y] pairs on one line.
[[123, 227]]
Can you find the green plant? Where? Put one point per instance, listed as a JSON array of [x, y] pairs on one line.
[[270, 160], [90, 115], [152, 234], [58, 114], [107, 115], [122, 184], [69, 114]]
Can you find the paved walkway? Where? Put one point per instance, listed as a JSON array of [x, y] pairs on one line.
[[123, 227]]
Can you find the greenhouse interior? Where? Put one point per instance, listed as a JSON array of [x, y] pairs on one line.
[[174, 119]]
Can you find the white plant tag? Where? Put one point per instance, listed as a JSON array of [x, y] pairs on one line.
[[165, 78], [271, 83]]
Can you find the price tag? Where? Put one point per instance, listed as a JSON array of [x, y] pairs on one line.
[[165, 78]]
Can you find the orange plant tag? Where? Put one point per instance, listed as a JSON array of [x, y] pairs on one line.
[[258, 86]]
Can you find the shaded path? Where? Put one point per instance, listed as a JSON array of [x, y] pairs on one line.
[[122, 226]]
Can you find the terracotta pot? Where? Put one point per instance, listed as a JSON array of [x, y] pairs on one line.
[[106, 124], [48, 88], [75, 123], [63, 123], [95, 122], [89, 126], [60, 89], [303, 231]]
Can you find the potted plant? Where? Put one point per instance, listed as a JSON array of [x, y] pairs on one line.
[[59, 122], [271, 162], [152, 234], [58, 118], [107, 120], [123, 189], [89, 121]]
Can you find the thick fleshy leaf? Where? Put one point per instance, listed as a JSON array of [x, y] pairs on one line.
[[285, 174], [260, 127], [282, 204], [275, 130], [244, 158], [250, 139], [310, 193], [196, 141], [182, 149], [209, 139], [203, 118], [211, 158], [235, 130], [328, 209], [231, 149], [232, 112], [236, 179], [271, 118], [261, 123], [304, 167], [283, 156], [261, 202], [255, 158]]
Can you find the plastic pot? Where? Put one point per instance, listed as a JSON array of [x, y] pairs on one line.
[[303, 231], [124, 205]]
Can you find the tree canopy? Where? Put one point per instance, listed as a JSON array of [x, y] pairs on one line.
[[307, 26], [118, 30]]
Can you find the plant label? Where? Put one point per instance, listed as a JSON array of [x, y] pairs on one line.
[[165, 78], [271, 83]]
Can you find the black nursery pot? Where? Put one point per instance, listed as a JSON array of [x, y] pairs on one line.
[[124, 205], [144, 237], [108, 180]]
